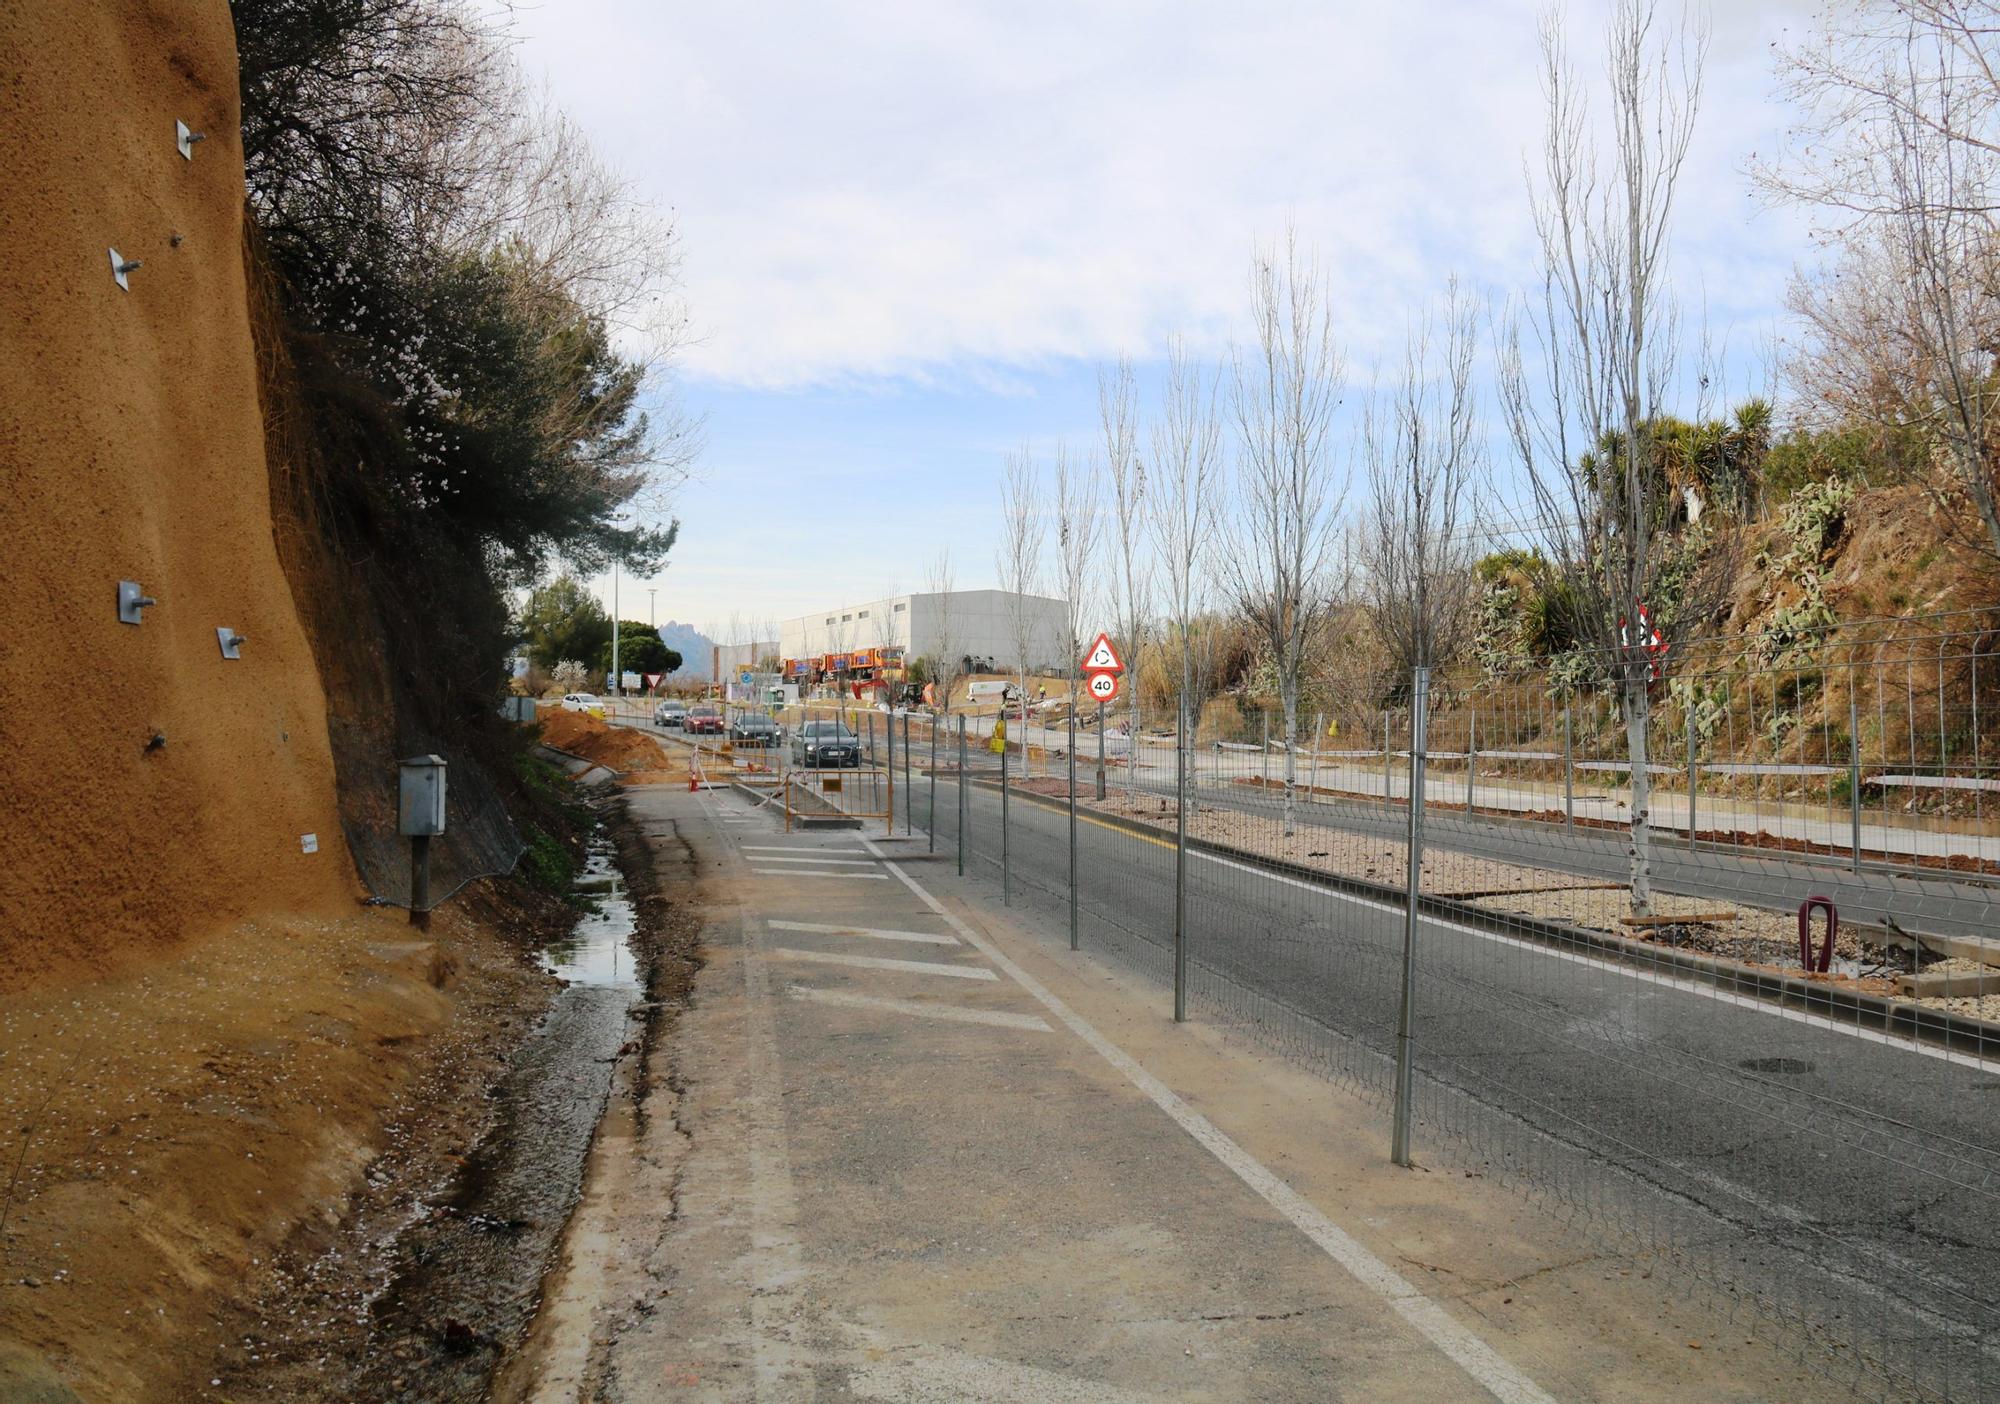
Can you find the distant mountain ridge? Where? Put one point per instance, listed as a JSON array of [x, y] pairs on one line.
[[697, 650]]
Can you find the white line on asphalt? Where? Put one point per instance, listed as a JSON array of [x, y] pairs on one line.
[[879, 933], [812, 858], [996, 1018], [1464, 1347], [1650, 977], [807, 872], [793, 848], [903, 967]]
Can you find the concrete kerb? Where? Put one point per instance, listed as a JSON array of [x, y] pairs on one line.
[[582, 769], [1957, 1032], [1724, 841]]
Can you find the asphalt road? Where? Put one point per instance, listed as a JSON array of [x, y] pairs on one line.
[[1936, 906], [1767, 879], [1842, 1177]]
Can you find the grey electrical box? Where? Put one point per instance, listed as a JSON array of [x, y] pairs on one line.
[[517, 709], [420, 808]]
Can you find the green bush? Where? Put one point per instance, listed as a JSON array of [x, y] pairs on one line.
[[546, 863]]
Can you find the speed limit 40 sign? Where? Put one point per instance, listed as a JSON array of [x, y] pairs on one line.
[[1103, 687]]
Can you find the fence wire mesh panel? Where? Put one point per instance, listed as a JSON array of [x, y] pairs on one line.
[[479, 840], [1616, 1019]]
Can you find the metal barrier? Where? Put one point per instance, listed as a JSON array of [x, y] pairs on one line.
[[1432, 899], [859, 792]]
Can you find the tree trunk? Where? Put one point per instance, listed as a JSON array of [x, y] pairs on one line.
[[1290, 697], [1132, 725], [1637, 714]]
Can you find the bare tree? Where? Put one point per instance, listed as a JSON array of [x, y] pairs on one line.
[[1607, 333], [1901, 140], [1181, 505], [1021, 559], [1078, 525], [1281, 542], [938, 581], [1118, 413], [1425, 463]]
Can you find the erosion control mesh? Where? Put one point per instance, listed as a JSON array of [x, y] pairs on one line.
[[480, 840]]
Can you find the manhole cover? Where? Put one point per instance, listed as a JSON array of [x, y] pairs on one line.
[[1776, 1065]]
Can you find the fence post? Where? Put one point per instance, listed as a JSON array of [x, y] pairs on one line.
[[1180, 862], [1264, 756], [1006, 862], [1405, 1039], [1388, 779], [1471, 752], [1073, 943], [1569, 774], [930, 817], [909, 808], [961, 796], [889, 736], [1853, 775], [1100, 750], [1694, 777]]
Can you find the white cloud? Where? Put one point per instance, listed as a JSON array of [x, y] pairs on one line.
[[932, 189]]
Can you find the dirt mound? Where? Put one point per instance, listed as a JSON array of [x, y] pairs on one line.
[[615, 747], [156, 789]]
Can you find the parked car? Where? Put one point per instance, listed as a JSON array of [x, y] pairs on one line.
[[753, 729], [704, 721], [826, 743], [583, 702], [671, 713]]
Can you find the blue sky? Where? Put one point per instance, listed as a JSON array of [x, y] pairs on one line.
[[913, 231]]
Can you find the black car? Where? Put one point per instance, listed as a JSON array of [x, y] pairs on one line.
[[826, 743], [753, 729]]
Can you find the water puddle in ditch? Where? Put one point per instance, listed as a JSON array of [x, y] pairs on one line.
[[598, 951], [474, 1268]]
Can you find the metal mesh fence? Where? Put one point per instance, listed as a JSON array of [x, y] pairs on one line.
[[480, 840], [1815, 1151]]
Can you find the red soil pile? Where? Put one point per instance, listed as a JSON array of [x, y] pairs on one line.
[[614, 747], [132, 448]]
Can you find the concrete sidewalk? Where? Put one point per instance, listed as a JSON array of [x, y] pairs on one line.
[[914, 1155]]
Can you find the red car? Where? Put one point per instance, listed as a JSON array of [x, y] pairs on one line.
[[705, 721]]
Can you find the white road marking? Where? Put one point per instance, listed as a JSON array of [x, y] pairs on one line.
[[923, 1009], [804, 858], [1651, 977], [879, 933], [925, 1374], [905, 967], [1462, 1346], [807, 872], [793, 848]]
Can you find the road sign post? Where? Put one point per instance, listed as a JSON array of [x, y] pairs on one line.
[[1100, 751]]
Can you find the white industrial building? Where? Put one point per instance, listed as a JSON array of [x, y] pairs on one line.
[[728, 660], [978, 623]]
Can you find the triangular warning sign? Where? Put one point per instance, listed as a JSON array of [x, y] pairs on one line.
[[1102, 657]]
